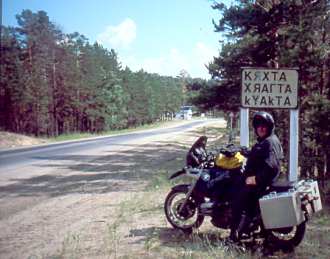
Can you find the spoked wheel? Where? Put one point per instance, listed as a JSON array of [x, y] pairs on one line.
[[186, 218], [288, 236]]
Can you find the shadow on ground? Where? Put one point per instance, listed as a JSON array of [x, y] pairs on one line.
[[115, 171], [208, 242]]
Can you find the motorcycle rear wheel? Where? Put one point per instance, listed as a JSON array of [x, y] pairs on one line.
[[287, 238], [189, 218]]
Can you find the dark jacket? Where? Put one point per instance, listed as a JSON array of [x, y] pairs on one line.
[[264, 160]]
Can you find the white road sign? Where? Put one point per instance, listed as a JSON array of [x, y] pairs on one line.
[[269, 88]]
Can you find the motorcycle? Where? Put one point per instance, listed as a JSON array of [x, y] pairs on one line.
[[282, 213]]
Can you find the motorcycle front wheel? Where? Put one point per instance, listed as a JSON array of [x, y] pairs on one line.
[[288, 237], [186, 219]]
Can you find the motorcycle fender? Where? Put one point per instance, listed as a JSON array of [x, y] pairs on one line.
[[283, 230], [176, 174], [181, 187]]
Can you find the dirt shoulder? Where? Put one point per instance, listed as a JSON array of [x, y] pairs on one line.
[[10, 140], [109, 204], [13, 140]]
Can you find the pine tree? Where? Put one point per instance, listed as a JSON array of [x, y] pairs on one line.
[[38, 38], [286, 33], [54, 83]]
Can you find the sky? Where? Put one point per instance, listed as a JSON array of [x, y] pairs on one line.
[[158, 36]]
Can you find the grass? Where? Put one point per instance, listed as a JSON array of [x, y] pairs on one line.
[[73, 136], [162, 241], [197, 245], [218, 136], [209, 243], [322, 219], [70, 247], [213, 132], [112, 240], [159, 181], [78, 135], [157, 239]]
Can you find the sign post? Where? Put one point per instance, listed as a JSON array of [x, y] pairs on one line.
[[294, 143], [231, 134], [244, 127], [272, 88]]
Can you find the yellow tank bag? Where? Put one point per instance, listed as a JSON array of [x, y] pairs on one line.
[[226, 162]]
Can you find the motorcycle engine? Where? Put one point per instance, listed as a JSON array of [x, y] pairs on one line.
[[221, 216]]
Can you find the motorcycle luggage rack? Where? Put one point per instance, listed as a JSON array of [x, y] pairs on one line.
[[282, 186]]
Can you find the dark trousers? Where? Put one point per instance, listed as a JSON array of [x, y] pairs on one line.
[[245, 200]]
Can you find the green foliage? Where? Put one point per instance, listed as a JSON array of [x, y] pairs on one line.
[[288, 33], [54, 83]]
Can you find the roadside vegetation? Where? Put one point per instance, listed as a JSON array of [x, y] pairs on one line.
[[9, 140], [75, 136], [140, 223], [270, 34], [55, 83]]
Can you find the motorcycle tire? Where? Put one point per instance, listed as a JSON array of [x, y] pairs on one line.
[[189, 218], [288, 238]]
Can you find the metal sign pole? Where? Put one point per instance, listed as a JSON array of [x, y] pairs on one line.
[[244, 127], [294, 143], [231, 134]]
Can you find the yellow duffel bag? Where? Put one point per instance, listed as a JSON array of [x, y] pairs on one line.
[[227, 162]]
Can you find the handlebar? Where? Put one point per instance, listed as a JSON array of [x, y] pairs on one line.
[[231, 150]]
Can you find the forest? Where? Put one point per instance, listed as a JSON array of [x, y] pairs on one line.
[[54, 83], [276, 34]]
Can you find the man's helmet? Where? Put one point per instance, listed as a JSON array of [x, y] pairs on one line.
[[263, 118]]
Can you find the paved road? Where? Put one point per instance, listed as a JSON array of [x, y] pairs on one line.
[[52, 195], [25, 156]]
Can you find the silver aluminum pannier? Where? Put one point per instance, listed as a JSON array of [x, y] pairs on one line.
[[279, 210], [310, 190]]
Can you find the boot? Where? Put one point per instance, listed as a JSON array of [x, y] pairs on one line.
[[236, 232]]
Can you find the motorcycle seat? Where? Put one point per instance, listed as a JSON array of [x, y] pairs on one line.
[[282, 186]]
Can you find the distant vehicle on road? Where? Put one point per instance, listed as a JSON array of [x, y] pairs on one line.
[[185, 113]]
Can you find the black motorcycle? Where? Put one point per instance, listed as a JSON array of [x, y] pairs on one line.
[[209, 194]]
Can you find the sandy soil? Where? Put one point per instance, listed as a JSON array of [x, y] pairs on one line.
[[9, 140], [13, 140]]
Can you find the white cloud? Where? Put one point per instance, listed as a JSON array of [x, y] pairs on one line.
[[154, 65], [204, 53], [120, 36], [178, 60], [173, 61]]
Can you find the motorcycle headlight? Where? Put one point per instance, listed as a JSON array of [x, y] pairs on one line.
[[205, 177]]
